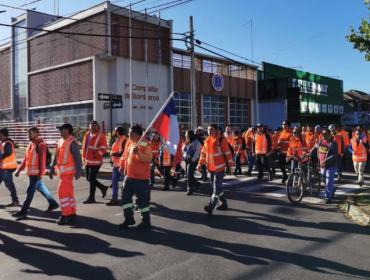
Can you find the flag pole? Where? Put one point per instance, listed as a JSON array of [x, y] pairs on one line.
[[146, 71], [158, 114], [131, 98]]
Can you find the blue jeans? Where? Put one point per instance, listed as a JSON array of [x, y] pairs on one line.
[[293, 165], [251, 161], [328, 177], [204, 171], [216, 181], [7, 178], [33, 185], [116, 176]]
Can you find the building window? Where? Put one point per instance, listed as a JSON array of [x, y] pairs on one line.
[[183, 109], [214, 110], [239, 112]]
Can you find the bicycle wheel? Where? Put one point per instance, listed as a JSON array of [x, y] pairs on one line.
[[294, 188], [316, 183]]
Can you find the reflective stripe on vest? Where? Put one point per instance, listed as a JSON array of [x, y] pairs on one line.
[[60, 167], [261, 148], [360, 153]]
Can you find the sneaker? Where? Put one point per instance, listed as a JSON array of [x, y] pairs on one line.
[[19, 216], [240, 173], [205, 179], [339, 179], [89, 200], [112, 202], [104, 191], [222, 207], [126, 224], [144, 225], [285, 177], [327, 201], [13, 204], [65, 220], [208, 210], [190, 193], [360, 184], [52, 206], [248, 173], [165, 189]]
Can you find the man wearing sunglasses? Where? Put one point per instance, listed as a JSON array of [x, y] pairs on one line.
[[358, 147], [327, 152]]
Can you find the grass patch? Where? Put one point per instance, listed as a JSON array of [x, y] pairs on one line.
[[363, 200]]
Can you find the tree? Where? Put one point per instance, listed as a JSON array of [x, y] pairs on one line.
[[361, 38]]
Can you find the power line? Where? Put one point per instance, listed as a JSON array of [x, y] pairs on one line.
[[14, 8]]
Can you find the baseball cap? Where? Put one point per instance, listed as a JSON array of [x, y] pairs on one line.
[[317, 127], [200, 128], [66, 126], [260, 125]]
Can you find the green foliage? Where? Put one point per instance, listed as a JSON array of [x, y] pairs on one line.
[[361, 38], [79, 133]]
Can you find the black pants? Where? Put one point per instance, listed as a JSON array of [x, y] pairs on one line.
[[91, 173], [190, 169], [167, 176], [282, 164], [141, 189], [263, 163]]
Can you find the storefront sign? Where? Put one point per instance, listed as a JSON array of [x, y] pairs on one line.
[[330, 109], [356, 118], [310, 87], [336, 110], [324, 108], [218, 82]]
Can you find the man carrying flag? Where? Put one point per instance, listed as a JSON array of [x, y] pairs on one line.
[[216, 153]]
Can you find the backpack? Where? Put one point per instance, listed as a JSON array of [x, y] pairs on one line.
[[48, 154], [230, 147]]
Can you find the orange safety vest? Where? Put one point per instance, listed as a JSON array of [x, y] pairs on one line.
[[134, 168], [260, 144], [229, 138], [345, 138], [249, 137], [338, 138], [284, 140], [237, 144], [32, 159], [155, 148], [97, 145], [274, 140], [311, 140], [117, 148], [166, 157], [64, 158], [216, 156], [360, 153], [296, 147], [9, 162]]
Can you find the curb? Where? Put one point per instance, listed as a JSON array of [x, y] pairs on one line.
[[356, 214]]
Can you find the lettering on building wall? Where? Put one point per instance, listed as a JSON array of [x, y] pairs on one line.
[[142, 96], [310, 87]]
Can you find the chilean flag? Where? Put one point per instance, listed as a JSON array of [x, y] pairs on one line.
[[167, 125]]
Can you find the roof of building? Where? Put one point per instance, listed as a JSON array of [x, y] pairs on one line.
[[356, 95]]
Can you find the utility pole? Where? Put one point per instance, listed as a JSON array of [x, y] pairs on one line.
[[193, 89]]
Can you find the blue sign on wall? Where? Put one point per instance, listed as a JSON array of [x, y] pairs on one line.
[[217, 82]]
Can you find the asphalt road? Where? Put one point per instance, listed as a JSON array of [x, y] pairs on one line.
[[260, 237]]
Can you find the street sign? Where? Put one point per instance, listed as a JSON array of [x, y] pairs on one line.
[[106, 106], [117, 105], [107, 97], [116, 97], [103, 96]]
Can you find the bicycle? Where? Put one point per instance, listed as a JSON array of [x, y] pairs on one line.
[[304, 178]]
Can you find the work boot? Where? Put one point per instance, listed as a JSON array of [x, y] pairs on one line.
[[89, 200], [112, 202], [19, 216], [271, 177], [285, 177], [65, 220], [144, 225], [13, 204], [222, 207], [360, 184], [52, 206], [208, 210], [126, 224], [205, 179], [165, 189], [190, 192], [104, 191]]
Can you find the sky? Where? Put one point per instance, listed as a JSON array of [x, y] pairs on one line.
[[308, 35]]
